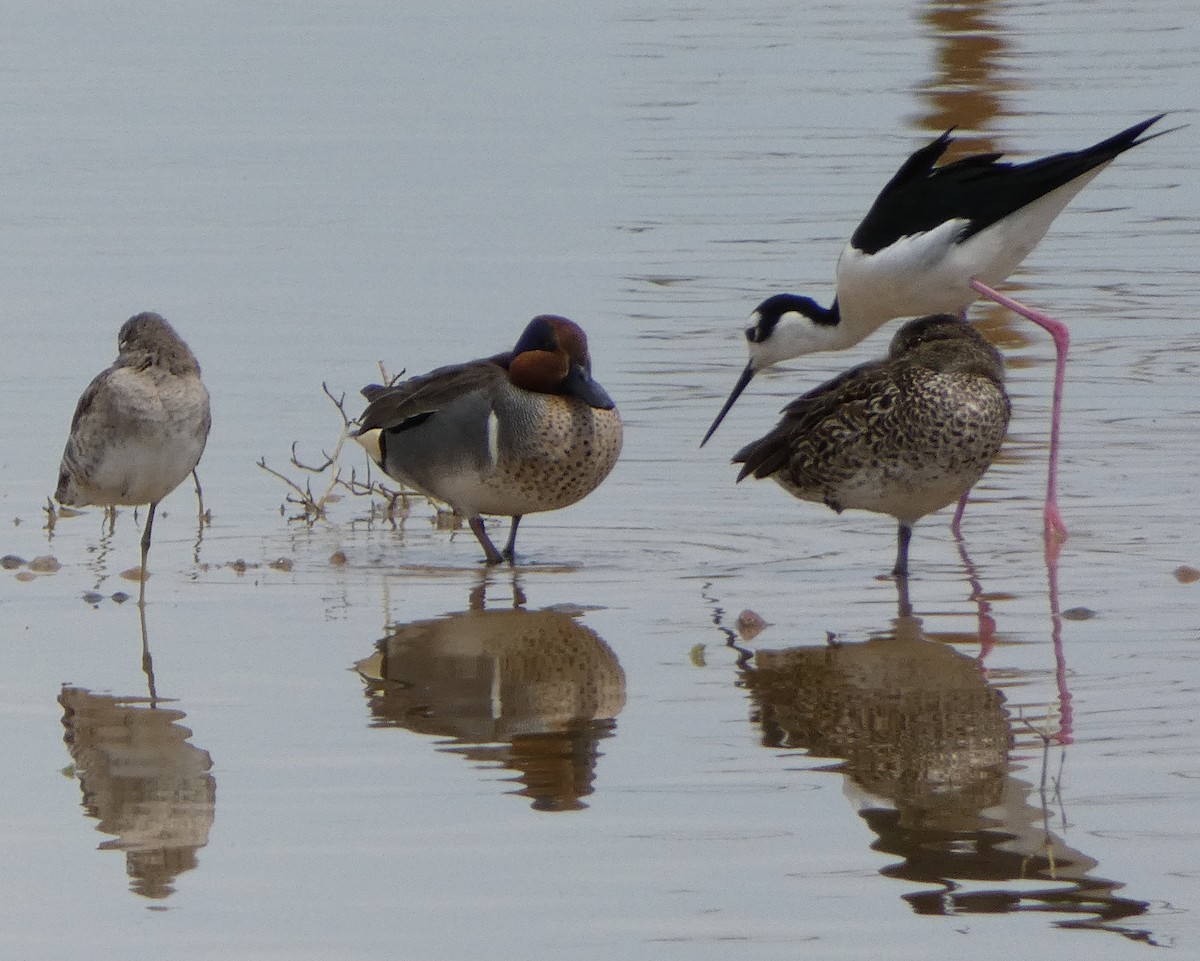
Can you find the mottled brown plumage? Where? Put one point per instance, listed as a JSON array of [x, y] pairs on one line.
[[903, 436]]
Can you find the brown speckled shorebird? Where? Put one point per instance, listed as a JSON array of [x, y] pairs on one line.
[[521, 432], [140, 427], [903, 436]]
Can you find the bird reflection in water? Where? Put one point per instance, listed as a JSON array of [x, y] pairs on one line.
[[925, 743], [141, 778], [974, 73], [531, 691], [144, 783]]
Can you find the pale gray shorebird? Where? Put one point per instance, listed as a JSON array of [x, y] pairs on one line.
[[140, 427], [524, 431], [904, 436], [936, 239]]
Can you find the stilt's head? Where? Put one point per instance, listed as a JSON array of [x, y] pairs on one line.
[[787, 326], [781, 328]]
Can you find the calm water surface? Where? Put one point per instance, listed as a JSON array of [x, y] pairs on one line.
[[375, 749]]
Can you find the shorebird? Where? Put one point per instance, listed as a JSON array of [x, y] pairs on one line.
[[140, 427], [903, 436], [524, 431], [936, 239]]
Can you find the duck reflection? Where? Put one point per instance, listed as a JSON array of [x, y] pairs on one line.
[[926, 744], [532, 691], [144, 783]]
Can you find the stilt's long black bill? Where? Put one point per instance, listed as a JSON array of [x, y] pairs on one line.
[[747, 376]]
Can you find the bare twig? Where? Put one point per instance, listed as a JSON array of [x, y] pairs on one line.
[[312, 506]]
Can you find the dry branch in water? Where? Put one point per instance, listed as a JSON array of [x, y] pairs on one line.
[[333, 480]]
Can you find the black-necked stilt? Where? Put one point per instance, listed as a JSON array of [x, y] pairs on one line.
[[140, 427], [935, 240], [903, 436], [521, 432]]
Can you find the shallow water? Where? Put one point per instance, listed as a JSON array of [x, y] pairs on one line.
[[375, 749]]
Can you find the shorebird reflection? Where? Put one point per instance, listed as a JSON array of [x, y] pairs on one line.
[[143, 781], [925, 743]]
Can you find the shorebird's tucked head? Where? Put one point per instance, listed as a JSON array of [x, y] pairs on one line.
[[948, 345], [147, 339]]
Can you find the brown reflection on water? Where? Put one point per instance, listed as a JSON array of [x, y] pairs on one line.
[[966, 93], [144, 783], [532, 691], [925, 742], [969, 82]]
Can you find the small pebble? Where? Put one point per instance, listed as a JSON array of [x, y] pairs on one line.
[[93, 598], [337, 558], [46, 564], [1078, 614], [1184, 574], [11, 562], [750, 624], [240, 566], [120, 597], [282, 564], [25, 576]]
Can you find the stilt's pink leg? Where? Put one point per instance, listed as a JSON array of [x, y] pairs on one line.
[[1054, 526]]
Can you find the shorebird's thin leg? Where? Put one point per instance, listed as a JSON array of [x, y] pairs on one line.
[[903, 535], [199, 496], [490, 553], [1054, 526], [956, 522], [511, 547], [146, 550]]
